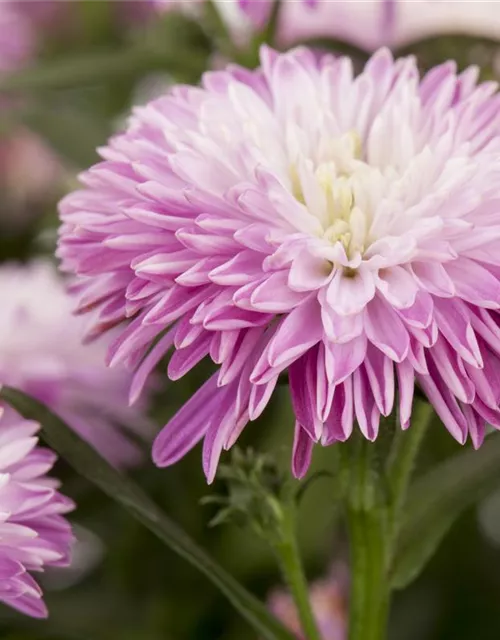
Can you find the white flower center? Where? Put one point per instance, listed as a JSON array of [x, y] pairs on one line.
[[327, 188]]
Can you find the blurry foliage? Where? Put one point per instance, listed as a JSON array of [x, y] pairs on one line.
[[77, 94]]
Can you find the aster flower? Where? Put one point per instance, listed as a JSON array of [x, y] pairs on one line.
[[328, 602], [300, 219], [33, 532], [41, 352]]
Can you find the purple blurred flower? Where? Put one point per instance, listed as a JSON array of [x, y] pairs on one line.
[[16, 38], [33, 532], [329, 605], [297, 218], [41, 352]]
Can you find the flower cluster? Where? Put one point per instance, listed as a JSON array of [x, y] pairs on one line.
[[33, 531], [300, 219], [41, 352]]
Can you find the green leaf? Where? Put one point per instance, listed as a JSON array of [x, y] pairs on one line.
[[437, 499], [86, 461], [73, 133], [76, 70], [99, 67]]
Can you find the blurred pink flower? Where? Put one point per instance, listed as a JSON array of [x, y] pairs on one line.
[[16, 38], [49, 16], [41, 352], [300, 219], [33, 532], [329, 603], [29, 174], [370, 24]]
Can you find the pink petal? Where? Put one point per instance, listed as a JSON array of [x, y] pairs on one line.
[[348, 295], [188, 426], [302, 452], [303, 381], [339, 424], [385, 330], [367, 413]]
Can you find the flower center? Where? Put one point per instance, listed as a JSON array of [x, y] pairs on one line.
[[327, 188]]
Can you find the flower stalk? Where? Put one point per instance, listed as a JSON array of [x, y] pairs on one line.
[[374, 500], [260, 497], [366, 523], [401, 462], [291, 565]]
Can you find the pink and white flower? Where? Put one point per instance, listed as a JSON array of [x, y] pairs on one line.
[[370, 24], [300, 219], [41, 353], [34, 534]]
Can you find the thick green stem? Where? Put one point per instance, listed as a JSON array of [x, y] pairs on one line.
[[293, 572], [366, 521], [369, 599], [376, 490]]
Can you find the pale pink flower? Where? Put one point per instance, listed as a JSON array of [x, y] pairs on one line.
[[33, 531], [300, 219], [41, 353], [370, 24]]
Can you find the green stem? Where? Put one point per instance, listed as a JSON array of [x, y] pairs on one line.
[[366, 521], [293, 572], [216, 30], [269, 33], [401, 461], [369, 599]]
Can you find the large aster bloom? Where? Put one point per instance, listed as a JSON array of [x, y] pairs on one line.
[[41, 352], [33, 531], [300, 219]]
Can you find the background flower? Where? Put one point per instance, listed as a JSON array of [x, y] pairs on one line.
[[370, 24], [33, 532], [329, 603], [41, 352], [16, 38]]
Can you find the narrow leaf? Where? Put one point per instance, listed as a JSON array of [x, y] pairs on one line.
[[437, 499], [104, 66], [86, 461]]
